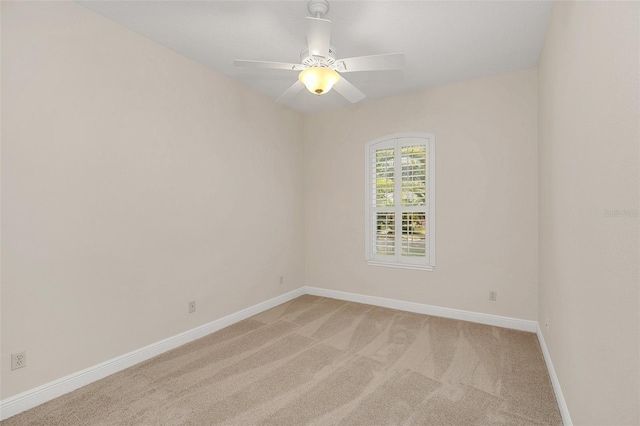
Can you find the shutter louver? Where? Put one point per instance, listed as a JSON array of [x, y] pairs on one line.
[[384, 177], [414, 175], [385, 233]]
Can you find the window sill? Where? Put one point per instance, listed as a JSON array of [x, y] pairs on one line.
[[400, 266]]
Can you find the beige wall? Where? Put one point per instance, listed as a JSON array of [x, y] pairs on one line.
[[133, 181], [486, 191], [589, 278]]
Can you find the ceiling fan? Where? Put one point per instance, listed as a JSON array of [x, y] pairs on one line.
[[320, 68]]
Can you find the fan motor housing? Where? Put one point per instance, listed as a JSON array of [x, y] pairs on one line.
[[319, 61]]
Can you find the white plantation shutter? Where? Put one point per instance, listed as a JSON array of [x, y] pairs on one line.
[[400, 201]]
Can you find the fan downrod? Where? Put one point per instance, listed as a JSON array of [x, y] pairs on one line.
[[318, 8]]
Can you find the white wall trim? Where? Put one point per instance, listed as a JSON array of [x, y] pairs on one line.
[[562, 405], [495, 320], [34, 397]]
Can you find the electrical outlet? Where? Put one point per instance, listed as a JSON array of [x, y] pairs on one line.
[[192, 307], [18, 360], [493, 295], [281, 280]]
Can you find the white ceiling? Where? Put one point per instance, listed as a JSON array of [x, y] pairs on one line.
[[443, 41]]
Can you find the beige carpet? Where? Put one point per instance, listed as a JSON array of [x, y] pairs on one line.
[[320, 361]]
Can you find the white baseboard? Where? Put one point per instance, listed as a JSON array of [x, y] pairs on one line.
[[562, 405], [419, 308], [499, 321], [34, 397]]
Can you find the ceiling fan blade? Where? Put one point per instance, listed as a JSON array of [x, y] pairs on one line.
[[348, 90], [291, 92], [265, 64], [318, 36], [391, 61]]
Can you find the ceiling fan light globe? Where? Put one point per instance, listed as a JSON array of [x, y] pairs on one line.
[[319, 80]]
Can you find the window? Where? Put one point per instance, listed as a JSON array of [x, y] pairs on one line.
[[400, 196]]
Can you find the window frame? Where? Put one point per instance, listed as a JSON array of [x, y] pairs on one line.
[[426, 263]]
